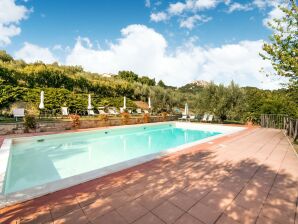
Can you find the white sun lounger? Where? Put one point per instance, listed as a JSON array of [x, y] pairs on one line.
[[139, 111], [184, 117], [64, 111], [210, 118], [205, 117], [100, 111], [112, 111], [19, 112], [91, 112]]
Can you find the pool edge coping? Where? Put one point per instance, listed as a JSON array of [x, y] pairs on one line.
[[48, 188]]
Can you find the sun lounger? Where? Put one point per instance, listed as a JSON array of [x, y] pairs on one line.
[[205, 117], [91, 112], [192, 118], [210, 118], [139, 111], [184, 117], [19, 112], [64, 111], [146, 111], [112, 111], [102, 112]]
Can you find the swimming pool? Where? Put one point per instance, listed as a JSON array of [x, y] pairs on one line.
[[47, 163]]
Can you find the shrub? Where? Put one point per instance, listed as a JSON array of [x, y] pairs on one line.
[[125, 117], [146, 118], [30, 122], [164, 116], [75, 119], [103, 117]]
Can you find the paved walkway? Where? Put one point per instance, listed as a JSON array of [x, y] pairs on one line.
[[248, 178]]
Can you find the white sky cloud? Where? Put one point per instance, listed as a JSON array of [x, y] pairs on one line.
[[10, 16], [159, 16], [239, 7], [183, 9], [32, 53], [275, 13], [191, 21], [144, 51]]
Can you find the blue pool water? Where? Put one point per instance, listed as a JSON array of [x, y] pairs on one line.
[[40, 160]]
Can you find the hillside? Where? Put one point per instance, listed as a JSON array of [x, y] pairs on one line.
[[70, 85]]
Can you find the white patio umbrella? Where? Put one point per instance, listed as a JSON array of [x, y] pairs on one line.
[[186, 109], [89, 103], [41, 105], [124, 103], [149, 103]]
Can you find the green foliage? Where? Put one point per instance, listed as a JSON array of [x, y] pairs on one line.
[[5, 57], [132, 77], [75, 120], [30, 122], [282, 52]]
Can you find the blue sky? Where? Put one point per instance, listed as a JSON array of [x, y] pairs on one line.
[[185, 40]]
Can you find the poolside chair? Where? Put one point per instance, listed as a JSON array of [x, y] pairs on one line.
[[102, 112], [139, 111], [146, 111], [210, 118], [205, 117], [91, 113], [112, 111], [184, 117], [64, 111], [121, 110], [19, 112], [192, 118]]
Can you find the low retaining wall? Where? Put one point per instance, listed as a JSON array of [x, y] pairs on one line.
[[18, 128]]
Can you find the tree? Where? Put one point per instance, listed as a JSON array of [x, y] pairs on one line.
[[161, 84], [128, 76], [5, 57], [283, 49]]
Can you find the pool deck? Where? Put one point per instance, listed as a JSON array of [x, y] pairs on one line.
[[247, 177]]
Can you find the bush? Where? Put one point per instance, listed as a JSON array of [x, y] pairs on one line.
[[146, 118], [30, 122], [75, 120], [125, 117], [164, 116], [103, 117]]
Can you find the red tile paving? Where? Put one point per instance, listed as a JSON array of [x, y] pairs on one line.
[[249, 177]]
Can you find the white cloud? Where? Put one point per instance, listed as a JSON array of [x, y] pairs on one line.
[[176, 8], [10, 16], [275, 13], [205, 4], [159, 16], [239, 7], [144, 51], [32, 53], [181, 9], [191, 21]]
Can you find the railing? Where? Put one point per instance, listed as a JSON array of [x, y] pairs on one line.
[[280, 121]]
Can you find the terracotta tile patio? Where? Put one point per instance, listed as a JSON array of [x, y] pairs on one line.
[[249, 177]]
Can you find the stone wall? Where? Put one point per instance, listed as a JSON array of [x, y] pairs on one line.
[[59, 125]]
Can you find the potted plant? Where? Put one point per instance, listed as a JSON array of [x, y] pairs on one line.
[[75, 119], [30, 123], [125, 116]]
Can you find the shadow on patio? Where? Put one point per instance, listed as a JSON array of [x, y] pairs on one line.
[[252, 179]]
